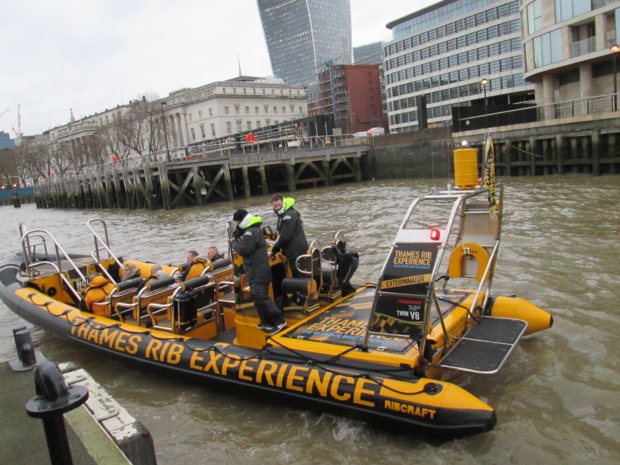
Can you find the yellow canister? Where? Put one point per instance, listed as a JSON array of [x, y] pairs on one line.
[[466, 168]]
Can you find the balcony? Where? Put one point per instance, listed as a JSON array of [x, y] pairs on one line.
[[583, 47]]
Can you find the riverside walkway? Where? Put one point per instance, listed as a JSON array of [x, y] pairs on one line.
[[197, 176]]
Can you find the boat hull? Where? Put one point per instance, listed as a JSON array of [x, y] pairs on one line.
[[404, 402]]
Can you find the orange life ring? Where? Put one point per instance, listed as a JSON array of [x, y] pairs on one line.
[[464, 251]]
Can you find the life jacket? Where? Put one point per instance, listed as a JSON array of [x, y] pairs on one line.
[[197, 268], [98, 291]]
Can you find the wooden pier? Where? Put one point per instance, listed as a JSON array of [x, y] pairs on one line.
[[192, 180]]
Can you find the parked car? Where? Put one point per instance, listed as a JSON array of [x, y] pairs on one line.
[[375, 132]]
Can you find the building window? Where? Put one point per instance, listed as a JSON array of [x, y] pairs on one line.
[[256, 110], [239, 126], [547, 48], [567, 9], [247, 110], [210, 111], [257, 123], [226, 110], [266, 109], [228, 128], [202, 131], [191, 117], [248, 125], [200, 114], [275, 110], [212, 130], [193, 134], [236, 109]]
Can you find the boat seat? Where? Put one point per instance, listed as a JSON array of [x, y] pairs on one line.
[[302, 294], [158, 292], [194, 304], [124, 291]]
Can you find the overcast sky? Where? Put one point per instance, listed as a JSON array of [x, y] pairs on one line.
[[89, 55]]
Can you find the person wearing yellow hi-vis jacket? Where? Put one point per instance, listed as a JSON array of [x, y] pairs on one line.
[[291, 236]]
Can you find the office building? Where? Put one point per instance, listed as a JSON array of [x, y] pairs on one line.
[[451, 54], [303, 35], [571, 52], [5, 141], [369, 54]]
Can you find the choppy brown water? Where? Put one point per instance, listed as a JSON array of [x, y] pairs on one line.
[[557, 399]]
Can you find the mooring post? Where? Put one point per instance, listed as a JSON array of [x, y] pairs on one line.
[[26, 357], [54, 399]]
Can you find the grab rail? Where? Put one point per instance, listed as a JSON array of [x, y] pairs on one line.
[[104, 244], [29, 259]]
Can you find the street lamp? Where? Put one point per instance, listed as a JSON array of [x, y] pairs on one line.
[[163, 117], [484, 83], [614, 49], [97, 146]]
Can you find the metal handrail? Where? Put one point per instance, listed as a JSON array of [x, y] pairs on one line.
[[28, 251]]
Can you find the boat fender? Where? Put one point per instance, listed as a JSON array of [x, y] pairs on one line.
[[515, 307], [467, 251]]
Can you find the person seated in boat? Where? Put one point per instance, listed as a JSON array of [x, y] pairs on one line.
[[248, 241], [194, 267], [130, 271], [291, 236], [98, 291], [156, 273], [213, 254]]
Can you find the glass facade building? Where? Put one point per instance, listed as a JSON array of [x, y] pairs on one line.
[[303, 35], [443, 53]]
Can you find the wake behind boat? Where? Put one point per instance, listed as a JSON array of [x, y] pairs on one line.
[[376, 352]]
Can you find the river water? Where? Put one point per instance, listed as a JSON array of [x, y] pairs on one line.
[[557, 398]]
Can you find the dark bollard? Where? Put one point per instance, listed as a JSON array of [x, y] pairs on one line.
[[16, 201], [52, 401], [26, 358]]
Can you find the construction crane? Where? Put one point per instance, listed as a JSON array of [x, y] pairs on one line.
[[19, 132]]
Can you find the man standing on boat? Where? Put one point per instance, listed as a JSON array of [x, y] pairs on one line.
[[249, 242], [291, 236]]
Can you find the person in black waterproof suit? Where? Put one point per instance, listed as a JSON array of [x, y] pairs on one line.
[[291, 236], [249, 242]]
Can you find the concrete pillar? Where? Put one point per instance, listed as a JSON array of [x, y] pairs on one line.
[[263, 179], [290, 177], [164, 185], [594, 147], [246, 182], [358, 169], [548, 97], [198, 184], [149, 193], [508, 151], [585, 83], [558, 155], [532, 150], [228, 182], [327, 172]]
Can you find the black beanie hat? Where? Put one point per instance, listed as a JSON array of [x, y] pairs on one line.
[[239, 215]]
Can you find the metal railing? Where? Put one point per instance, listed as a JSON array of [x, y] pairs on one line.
[[213, 152]]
